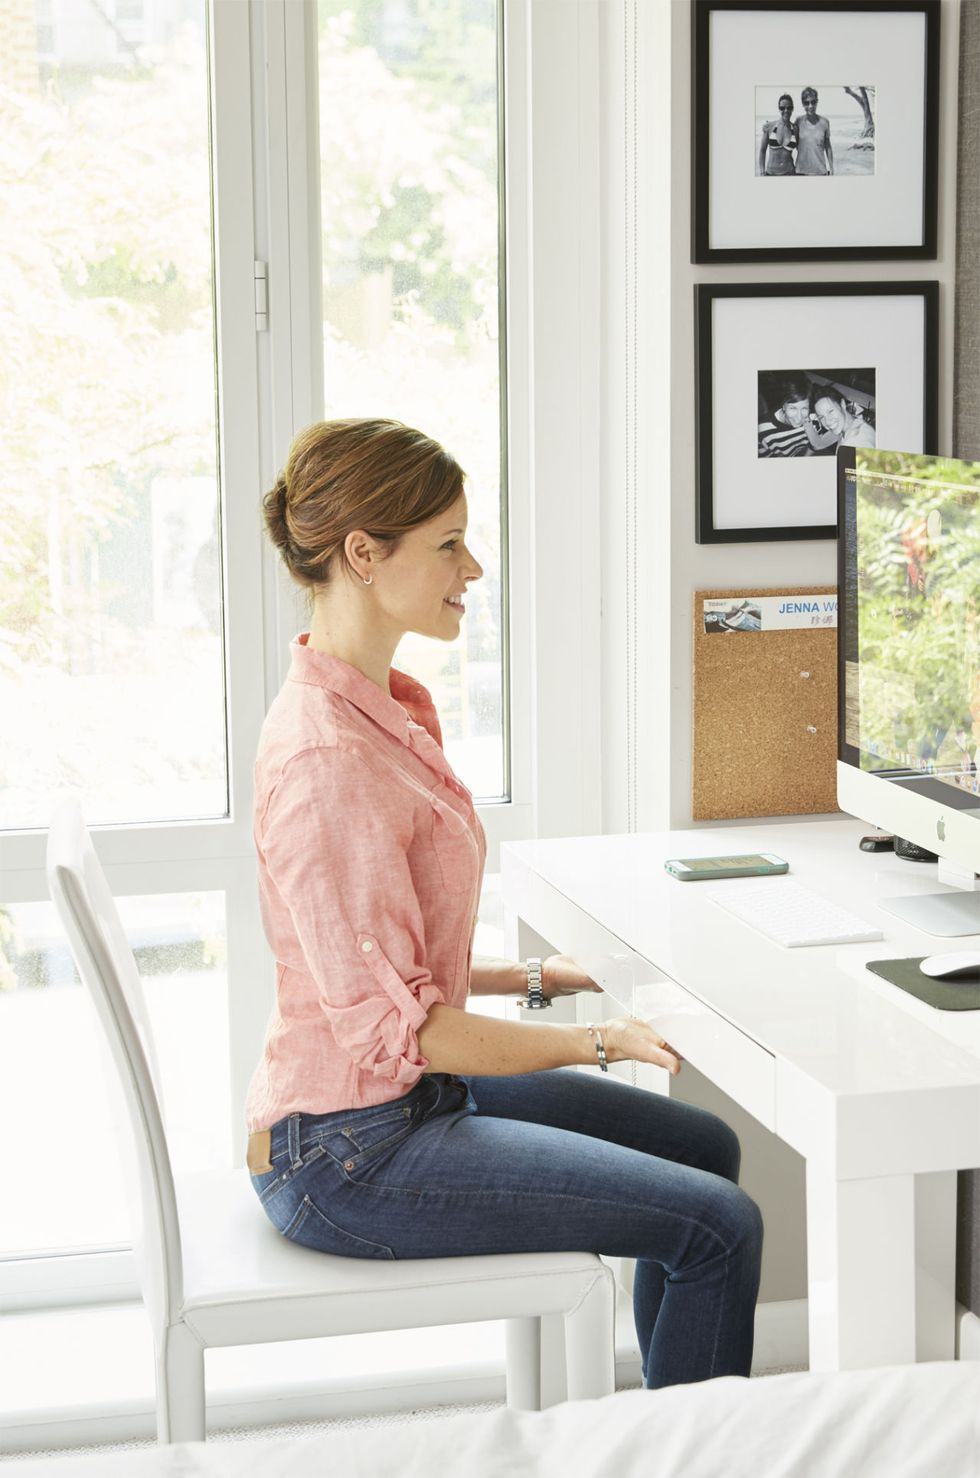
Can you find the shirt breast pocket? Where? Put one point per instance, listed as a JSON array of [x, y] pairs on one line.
[[455, 847]]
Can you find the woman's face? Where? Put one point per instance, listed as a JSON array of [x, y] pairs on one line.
[[830, 414], [810, 103], [430, 568], [786, 109]]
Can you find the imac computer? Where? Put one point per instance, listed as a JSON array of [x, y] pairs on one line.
[[909, 667]]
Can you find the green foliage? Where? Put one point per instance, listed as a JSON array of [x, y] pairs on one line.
[[105, 303], [408, 151], [107, 383], [919, 609]]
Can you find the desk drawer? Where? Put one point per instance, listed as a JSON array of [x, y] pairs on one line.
[[732, 1060]]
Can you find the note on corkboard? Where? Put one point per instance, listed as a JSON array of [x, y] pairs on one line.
[[765, 703]]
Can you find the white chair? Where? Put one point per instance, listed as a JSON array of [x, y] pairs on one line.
[[213, 1270]]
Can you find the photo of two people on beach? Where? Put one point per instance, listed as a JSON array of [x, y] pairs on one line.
[[817, 131]]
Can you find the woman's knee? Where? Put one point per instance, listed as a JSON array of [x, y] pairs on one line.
[[726, 1224], [735, 1223], [743, 1221], [723, 1153]]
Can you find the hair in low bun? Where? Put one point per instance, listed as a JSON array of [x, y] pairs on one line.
[[377, 475], [274, 506]]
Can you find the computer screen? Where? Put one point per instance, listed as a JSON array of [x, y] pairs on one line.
[[909, 646]]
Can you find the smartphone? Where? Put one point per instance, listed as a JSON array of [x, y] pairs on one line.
[[694, 869]]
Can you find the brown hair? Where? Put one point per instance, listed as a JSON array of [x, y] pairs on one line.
[[380, 476]]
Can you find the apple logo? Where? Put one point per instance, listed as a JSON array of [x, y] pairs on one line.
[[941, 829]]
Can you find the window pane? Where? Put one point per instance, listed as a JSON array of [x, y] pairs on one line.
[[111, 663], [409, 182], [59, 1082]]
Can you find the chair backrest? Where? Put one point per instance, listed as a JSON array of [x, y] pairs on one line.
[[105, 962]]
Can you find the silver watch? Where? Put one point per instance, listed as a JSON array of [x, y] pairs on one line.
[[535, 1000]]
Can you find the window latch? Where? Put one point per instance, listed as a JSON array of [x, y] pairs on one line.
[[261, 297]]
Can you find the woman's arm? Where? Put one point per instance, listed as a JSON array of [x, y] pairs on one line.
[[560, 976], [489, 977], [456, 1041]]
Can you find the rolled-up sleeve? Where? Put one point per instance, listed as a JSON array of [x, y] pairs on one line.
[[335, 837]]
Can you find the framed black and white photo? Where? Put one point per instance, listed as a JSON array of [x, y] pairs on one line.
[[787, 373], [814, 133]]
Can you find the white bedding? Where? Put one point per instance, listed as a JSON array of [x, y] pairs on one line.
[[908, 1421]]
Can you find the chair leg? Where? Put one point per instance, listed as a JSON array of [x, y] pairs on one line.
[[523, 1344], [590, 1344], [180, 1386]]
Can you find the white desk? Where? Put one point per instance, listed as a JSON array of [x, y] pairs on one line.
[[879, 1092]]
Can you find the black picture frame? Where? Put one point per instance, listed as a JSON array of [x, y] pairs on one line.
[[706, 295], [923, 248]]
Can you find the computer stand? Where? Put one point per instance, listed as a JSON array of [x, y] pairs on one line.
[[947, 914]]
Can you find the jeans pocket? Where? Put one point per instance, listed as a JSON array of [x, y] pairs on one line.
[[381, 1134], [310, 1228], [365, 1133]]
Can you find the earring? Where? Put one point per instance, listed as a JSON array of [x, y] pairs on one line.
[[368, 581]]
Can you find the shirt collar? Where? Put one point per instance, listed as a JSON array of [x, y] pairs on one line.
[[310, 666]]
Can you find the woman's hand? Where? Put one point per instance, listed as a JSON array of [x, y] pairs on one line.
[[628, 1039], [560, 976]]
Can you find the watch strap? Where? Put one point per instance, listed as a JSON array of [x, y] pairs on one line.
[[536, 1000]]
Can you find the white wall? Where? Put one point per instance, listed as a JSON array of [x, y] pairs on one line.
[[651, 565], [647, 401]]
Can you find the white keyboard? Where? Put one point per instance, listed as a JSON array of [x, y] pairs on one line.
[[791, 915]]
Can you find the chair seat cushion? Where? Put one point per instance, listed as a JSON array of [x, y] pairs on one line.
[[244, 1282]]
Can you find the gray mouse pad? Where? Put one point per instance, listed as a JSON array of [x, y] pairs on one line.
[[944, 995]]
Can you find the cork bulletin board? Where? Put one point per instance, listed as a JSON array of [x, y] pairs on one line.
[[765, 703]]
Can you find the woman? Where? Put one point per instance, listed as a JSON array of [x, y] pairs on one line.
[[385, 1120], [842, 418], [814, 152], [778, 142]]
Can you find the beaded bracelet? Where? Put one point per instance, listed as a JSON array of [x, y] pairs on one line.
[[594, 1033]]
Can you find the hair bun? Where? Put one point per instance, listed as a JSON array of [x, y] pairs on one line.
[[275, 504]]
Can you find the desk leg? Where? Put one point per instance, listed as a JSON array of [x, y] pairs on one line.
[[935, 1266], [880, 1269], [520, 940]]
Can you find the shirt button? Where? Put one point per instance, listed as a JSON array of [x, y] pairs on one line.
[[367, 946]]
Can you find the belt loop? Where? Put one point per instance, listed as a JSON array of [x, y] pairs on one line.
[[292, 1140]]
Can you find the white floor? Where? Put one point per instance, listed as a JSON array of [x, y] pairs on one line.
[[285, 1430]]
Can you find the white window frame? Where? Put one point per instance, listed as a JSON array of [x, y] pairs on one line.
[[264, 102], [213, 855], [551, 249]]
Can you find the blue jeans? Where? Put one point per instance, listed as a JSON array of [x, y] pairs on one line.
[[543, 1162]]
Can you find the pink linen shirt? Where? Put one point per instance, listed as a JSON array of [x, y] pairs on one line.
[[370, 863]]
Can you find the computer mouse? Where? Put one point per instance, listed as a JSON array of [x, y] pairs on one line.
[[959, 963]]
